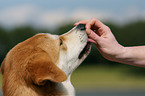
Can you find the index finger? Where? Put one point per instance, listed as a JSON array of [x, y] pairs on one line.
[[94, 22]]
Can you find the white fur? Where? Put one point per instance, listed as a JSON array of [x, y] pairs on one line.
[[68, 61]]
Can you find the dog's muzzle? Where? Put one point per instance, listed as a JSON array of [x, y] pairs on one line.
[[88, 45]]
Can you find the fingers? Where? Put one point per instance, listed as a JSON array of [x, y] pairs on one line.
[[94, 23], [91, 23], [92, 35], [92, 41]]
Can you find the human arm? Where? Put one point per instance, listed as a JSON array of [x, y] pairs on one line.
[[133, 56], [102, 37]]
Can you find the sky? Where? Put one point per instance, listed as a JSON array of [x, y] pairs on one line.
[[52, 13]]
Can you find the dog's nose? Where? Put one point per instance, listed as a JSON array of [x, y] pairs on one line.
[[81, 26]]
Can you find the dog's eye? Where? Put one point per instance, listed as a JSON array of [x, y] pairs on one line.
[[61, 42]]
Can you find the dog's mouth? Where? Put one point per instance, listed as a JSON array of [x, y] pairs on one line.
[[85, 51]]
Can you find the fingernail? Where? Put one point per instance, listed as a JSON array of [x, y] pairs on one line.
[[88, 31], [86, 26]]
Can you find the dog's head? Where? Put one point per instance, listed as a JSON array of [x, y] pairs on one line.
[[46, 57]]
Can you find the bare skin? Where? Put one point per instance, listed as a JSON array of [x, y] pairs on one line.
[[102, 37]]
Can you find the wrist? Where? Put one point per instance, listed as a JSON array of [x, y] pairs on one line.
[[116, 54], [123, 55]]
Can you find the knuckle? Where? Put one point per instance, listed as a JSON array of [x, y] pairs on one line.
[[107, 27]]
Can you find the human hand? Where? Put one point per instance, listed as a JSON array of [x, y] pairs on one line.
[[102, 37]]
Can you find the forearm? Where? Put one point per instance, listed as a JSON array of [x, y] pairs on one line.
[[132, 56]]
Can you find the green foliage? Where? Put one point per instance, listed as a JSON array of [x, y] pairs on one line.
[[130, 35]]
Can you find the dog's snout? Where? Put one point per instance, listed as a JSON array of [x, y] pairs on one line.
[[81, 26]]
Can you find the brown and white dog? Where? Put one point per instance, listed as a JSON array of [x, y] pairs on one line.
[[42, 65]]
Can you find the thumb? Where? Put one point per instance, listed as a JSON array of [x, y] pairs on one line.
[[92, 35]]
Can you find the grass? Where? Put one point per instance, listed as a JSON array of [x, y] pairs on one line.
[[89, 77]]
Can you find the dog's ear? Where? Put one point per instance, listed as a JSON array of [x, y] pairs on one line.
[[2, 67], [42, 69]]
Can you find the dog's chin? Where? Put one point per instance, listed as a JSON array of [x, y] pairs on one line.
[[84, 53]]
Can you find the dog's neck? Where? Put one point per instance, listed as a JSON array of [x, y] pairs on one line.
[[69, 89], [50, 89]]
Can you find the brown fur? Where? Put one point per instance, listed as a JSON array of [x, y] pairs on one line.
[[30, 68]]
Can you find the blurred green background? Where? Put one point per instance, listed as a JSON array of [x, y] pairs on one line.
[[95, 71], [20, 20]]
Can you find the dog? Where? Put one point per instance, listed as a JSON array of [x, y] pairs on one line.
[[42, 65]]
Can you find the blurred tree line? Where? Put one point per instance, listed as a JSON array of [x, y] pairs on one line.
[[132, 34]]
